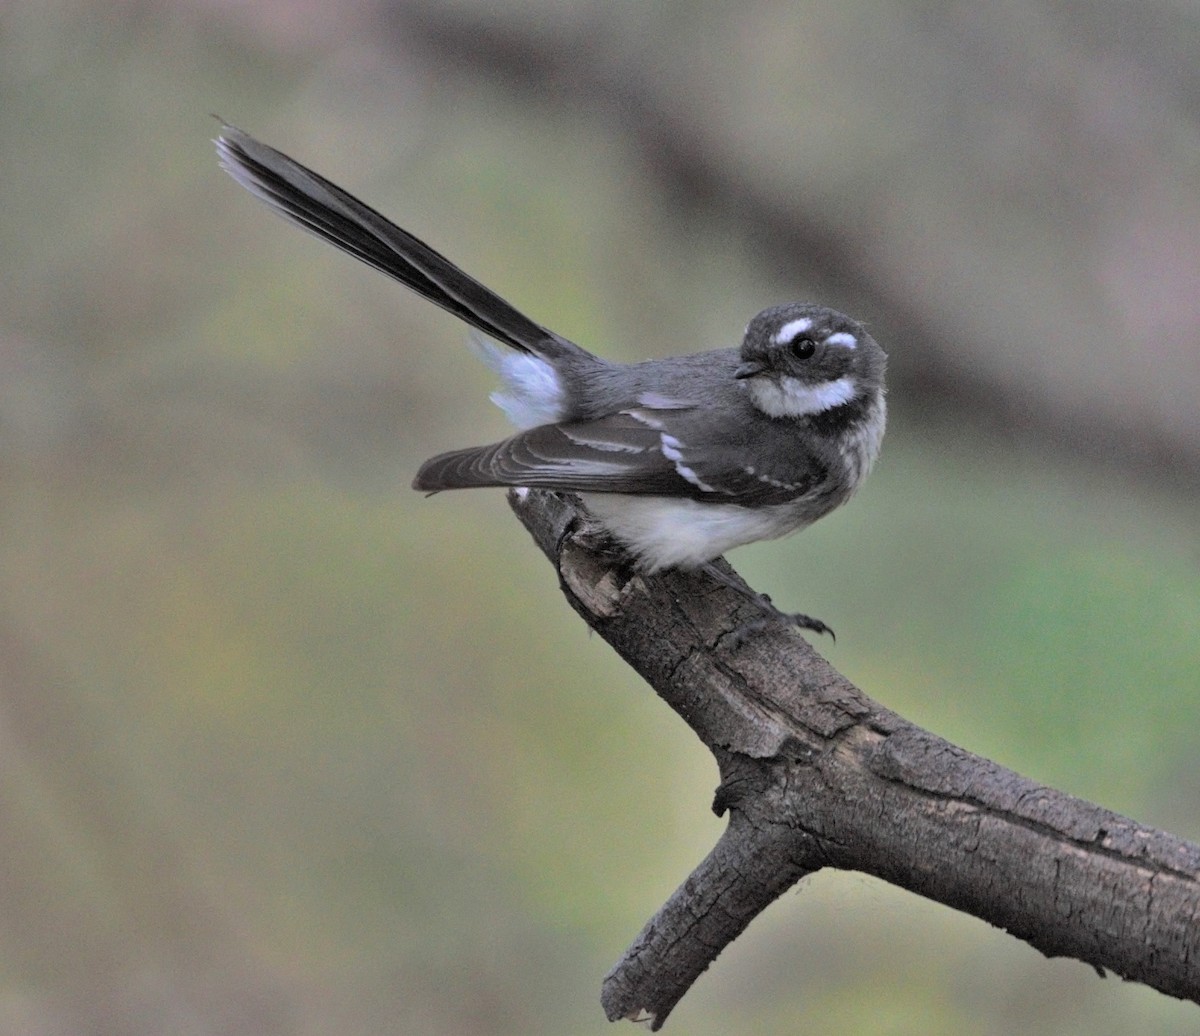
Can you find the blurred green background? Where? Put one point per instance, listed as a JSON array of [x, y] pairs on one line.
[[287, 748]]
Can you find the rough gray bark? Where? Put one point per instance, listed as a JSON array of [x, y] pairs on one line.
[[816, 774]]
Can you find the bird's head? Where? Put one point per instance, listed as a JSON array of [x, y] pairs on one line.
[[799, 360]]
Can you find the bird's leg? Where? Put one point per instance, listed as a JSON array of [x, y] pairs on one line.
[[763, 603]]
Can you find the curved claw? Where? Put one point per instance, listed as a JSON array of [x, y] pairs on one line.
[[771, 614], [809, 623], [739, 636]]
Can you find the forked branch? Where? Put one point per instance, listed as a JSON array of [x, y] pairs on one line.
[[816, 774]]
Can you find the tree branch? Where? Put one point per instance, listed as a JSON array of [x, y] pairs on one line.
[[814, 774]]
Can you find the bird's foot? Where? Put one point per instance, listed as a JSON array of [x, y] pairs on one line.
[[806, 622], [771, 614]]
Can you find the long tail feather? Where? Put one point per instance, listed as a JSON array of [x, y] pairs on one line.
[[324, 209]]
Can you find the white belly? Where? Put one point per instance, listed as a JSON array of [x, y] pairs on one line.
[[663, 532]]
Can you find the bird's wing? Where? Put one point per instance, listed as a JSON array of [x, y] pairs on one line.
[[324, 209], [676, 452]]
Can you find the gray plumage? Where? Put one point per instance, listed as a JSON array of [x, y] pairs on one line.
[[681, 458]]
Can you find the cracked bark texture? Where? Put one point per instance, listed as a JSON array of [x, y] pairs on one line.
[[814, 774]]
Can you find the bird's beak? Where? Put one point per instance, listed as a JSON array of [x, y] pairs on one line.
[[749, 369]]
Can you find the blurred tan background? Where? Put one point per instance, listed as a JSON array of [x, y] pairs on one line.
[[287, 748]]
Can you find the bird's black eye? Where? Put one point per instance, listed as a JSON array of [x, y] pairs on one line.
[[802, 347]]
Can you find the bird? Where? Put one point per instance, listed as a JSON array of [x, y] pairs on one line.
[[679, 459]]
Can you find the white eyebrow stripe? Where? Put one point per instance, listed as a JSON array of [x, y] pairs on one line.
[[791, 329], [843, 338]]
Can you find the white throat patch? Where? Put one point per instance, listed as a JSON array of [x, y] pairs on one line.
[[790, 397]]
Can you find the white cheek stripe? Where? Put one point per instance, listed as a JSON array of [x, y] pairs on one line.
[[842, 338], [790, 397], [790, 330]]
